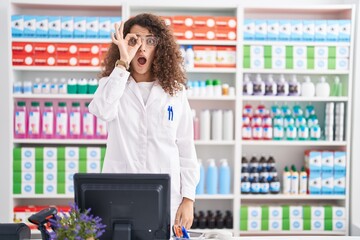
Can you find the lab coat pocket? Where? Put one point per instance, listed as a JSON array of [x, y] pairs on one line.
[[169, 116]]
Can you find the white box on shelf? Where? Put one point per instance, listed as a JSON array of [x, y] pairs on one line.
[[42, 27], [338, 213], [327, 162], [254, 212], [317, 212], [72, 165], [339, 184], [54, 26], [50, 188], [28, 165], [71, 153], [50, 165], [249, 29], [29, 26], [27, 177], [308, 30], [93, 166], [260, 30], [278, 62], [344, 30], [92, 27], [256, 51], [284, 30], [27, 154], [67, 27], [340, 162], [50, 153], [275, 224], [342, 52], [320, 30], [17, 25], [321, 64], [93, 153], [299, 51], [332, 30], [272, 29], [69, 188], [321, 51], [278, 51], [28, 189], [296, 224], [275, 212], [50, 177], [80, 27], [296, 30], [327, 183], [104, 27], [296, 212], [342, 63], [315, 183], [300, 63], [257, 63], [339, 225], [254, 225], [317, 224]]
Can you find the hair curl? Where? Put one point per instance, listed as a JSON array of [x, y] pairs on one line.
[[167, 65]]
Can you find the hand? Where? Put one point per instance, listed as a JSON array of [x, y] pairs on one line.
[[185, 213], [127, 52]]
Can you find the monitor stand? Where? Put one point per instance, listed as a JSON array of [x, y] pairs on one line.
[[122, 231]]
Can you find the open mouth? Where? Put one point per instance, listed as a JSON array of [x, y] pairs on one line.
[[142, 60]]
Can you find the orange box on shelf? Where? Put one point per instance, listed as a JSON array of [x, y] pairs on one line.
[[204, 33], [225, 34], [225, 22], [204, 21], [168, 20], [22, 47], [66, 61], [183, 21], [22, 60], [44, 60], [66, 49], [89, 61], [44, 48], [205, 56], [183, 33], [226, 56], [89, 49]]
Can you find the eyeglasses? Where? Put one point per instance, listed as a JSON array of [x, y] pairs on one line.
[[149, 40]]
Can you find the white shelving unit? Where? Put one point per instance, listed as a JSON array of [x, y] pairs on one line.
[[233, 150]]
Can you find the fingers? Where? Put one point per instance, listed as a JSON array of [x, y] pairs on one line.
[[122, 29], [117, 32], [177, 218], [113, 39]]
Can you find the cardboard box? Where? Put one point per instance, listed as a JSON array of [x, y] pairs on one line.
[[284, 30], [296, 30], [278, 51], [22, 60], [300, 63], [327, 162], [320, 30], [296, 212], [80, 27], [275, 212], [44, 60], [92, 27], [93, 166], [260, 30], [17, 25], [308, 30], [42, 27], [344, 30], [22, 48], [104, 27], [44, 48], [67, 27], [50, 188], [29, 26], [226, 56], [226, 22], [321, 51], [205, 56], [225, 34], [327, 183], [339, 184], [50, 165], [317, 225], [272, 29], [254, 212], [340, 163], [332, 30], [249, 29], [204, 33], [296, 224], [317, 212], [54, 26]]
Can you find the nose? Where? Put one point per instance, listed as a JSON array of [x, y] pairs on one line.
[[142, 47]]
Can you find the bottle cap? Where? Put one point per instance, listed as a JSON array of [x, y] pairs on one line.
[[216, 82], [75, 104], [21, 104], [62, 104], [35, 104], [87, 104], [286, 169], [208, 82], [48, 104]]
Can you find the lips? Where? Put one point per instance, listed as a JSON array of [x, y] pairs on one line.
[[142, 60]]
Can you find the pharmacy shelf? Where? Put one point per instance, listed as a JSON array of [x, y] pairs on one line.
[[62, 40], [222, 98], [43, 196], [214, 196], [214, 143], [56, 68], [53, 96], [76, 3], [294, 43], [296, 71], [61, 141], [207, 42], [211, 70], [292, 143], [293, 99], [291, 197], [289, 233]]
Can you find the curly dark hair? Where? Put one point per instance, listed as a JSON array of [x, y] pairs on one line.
[[167, 66]]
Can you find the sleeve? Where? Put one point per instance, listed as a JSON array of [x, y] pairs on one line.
[[189, 166], [106, 98]]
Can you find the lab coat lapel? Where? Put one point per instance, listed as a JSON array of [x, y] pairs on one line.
[[134, 88], [155, 93]]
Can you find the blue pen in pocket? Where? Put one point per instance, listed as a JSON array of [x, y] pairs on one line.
[[185, 233]]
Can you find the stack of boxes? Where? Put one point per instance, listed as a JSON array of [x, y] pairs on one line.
[[326, 171], [292, 218], [298, 57], [215, 56], [50, 170]]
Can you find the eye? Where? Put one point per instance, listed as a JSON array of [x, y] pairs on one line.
[[151, 41], [132, 42]]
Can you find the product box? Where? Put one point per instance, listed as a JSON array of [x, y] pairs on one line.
[[50, 177], [44, 48], [183, 33], [332, 30], [205, 56], [17, 25], [69, 188], [72, 165], [296, 225], [226, 22], [344, 30], [339, 163], [260, 30], [320, 30], [104, 27], [72, 153], [339, 225], [315, 183], [44, 60], [284, 30], [67, 27], [275, 224], [338, 213], [327, 183], [342, 52], [88, 49], [321, 63], [22, 60], [254, 63], [254, 225], [204, 33], [299, 63], [339, 184], [27, 154], [278, 51], [54, 24], [50, 165], [296, 30], [66, 61], [327, 162], [42, 27], [66, 49], [317, 212], [272, 29], [254, 212], [29, 26], [342, 64], [50, 188], [89, 61], [28, 189], [204, 21], [317, 225], [226, 56], [183, 21], [308, 30], [80, 27], [93, 153], [27, 177], [50, 153], [22, 48], [256, 51], [249, 29], [278, 62], [92, 27], [275, 212], [225, 34], [321, 51], [299, 51], [93, 166], [296, 212]]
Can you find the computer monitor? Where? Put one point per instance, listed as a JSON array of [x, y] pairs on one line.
[[132, 206]]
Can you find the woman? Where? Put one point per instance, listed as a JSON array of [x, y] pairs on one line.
[[142, 98]]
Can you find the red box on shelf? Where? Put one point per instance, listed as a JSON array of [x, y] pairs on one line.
[[225, 34], [183, 33], [168, 21], [225, 22], [204, 33], [22, 47], [204, 21], [44, 60], [92, 49], [22, 60], [66, 61], [89, 61], [226, 56], [182, 21], [45, 48], [66, 49]]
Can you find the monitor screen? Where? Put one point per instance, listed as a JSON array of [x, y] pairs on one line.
[[132, 206]]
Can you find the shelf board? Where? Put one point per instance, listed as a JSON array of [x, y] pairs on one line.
[[61, 141], [222, 98], [294, 99], [207, 42], [291, 143], [214, 196], [53, 96], [295, 71], [43, 196], [291, 197], [293, 43], [57, 68], [298, 233], [63, 40], [211, 70], [214, 143]]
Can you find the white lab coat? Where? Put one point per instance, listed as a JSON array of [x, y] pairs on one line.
[[156, 138]]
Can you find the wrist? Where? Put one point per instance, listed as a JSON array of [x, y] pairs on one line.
[[187, 200], [122, 64]]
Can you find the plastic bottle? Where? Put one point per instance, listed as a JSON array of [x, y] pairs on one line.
[[217, 88], [45, 86], [254, 162], [34, 130], [75, 120], [275, 185], [209, 88], [83, 86], [200, 188], [37, 86], [219, 222], [244, 162], [211, 177], [245, 185], [322, 88], [101, 129], [264, 185], [228, 125], [27, 87], [61, 121], [294, 180], [17, 87], [202, 88], [216, 125], [258, 86], [62, 87], [309, 110], [20, 120], [255, 186], [272, 173], [88, 123], [303, 132], [282, 86], [270, 163], [297, 111], [202, 220], [225, 89], [196, 123], [224, 177], [190, 57], [254, 173], [54, 87], [336, 88], [264, 173], [286, 181], [262, 163], [278, 132], [183, 53], [210, 220], [303, 181], [247, 85], [72, 86], [228, 220], [245, 172], [275, 110], [48, 119], [291, 132], [270, 86], [205, 124], [315, 132], [93, 85], [294, 86], [307, 88]]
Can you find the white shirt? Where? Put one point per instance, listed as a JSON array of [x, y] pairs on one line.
[[152, 138], [145, 89]]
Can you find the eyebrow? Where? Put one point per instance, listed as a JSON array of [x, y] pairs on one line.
[[147, 35]]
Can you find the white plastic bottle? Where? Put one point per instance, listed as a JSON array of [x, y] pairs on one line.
[[54, 88], [45, 86], [270, 86], [62, 87], [247, 85], [258, 86], [294, 86], [37, 86], [303, 181], [205, 125], [282, 86], [228, 124], [322, 88], [286, 181], [183, 52], [216, 125], [190, 55], [307, 88], [294, 180]]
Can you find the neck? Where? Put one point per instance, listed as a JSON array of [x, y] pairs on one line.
[[146, 77]]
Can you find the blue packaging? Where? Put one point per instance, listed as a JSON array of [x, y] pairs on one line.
[[260, 30], [320, 30], [327, 183], [201, 185], [67, 27], [332, 30], [340, 163], [29, 26], [114, 20], [104, 27], [327, 162], [308, 30], [339, 184], [296, 30], [17, 25], [211, 178], [284, 30], [92, 27], [272, 29], [224, 177], [42, 27], [54, 26], [249, 29], [79, 27], [344, 30]]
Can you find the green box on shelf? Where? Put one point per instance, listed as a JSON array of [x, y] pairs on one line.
[[39, 177], [60, 177], [289, 52], [243, 224], [267, 63], [331, 63], [39, 188], [328, 210], [286, 225], [310, 52], [103, 151], [61, 153], [246, 51], [17, 177], [264, 225], [328, 224], [331, 52], [246, 63], [82, 153], [39, 165], [61, 165], [17, 166], [307, 224], [265, 212], [61, 188], [289, 63], [310, 63], [244, 213], [16, 188], [17, 153], [286, 212], [82, 166], [39, 153], [307, 212], [268, 51]]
